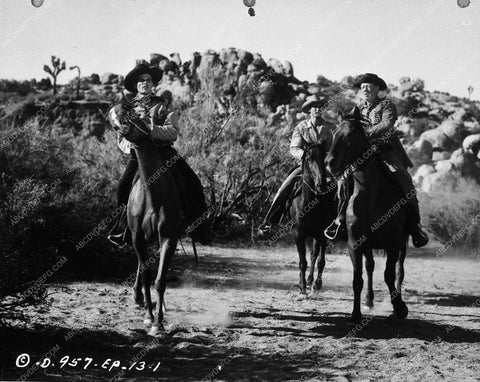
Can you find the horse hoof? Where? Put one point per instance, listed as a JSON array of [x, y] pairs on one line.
[[317, 286], [401, 310], [355, 319], [156, 330], [369, 304]]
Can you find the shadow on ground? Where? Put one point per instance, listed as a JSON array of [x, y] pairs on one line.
[[191, 356]]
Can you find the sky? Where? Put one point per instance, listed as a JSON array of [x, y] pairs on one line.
[[434, 40]]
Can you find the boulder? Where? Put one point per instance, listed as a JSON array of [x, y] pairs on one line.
[[276, 65], [175, 57], [420, 152], [156, 58], [245, 56], [108, 78], [288, 69], [455, 130], [438, 139], [94, 79], [314, 89], [260, 64], [471, 144], [422, 172], [464, 162], [443, 166], [473, 127], [440, 155], [266, 93]]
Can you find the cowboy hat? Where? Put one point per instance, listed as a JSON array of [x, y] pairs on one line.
[[369, 78], [132, 76], [313, 100]]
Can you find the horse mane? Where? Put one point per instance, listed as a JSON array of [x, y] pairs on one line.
[[313, 152]]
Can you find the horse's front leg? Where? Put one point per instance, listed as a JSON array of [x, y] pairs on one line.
[[137, 288], [357, 260], [369, 266], [302, 264], [399, 267], [400, 309], [167, 250], [313, 260], [143, 271], [322, 244]]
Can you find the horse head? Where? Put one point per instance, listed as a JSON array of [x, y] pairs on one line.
[[125, 121], [348, 144], [313, 164]]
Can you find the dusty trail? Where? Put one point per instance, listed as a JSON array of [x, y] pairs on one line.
[[234, 311]]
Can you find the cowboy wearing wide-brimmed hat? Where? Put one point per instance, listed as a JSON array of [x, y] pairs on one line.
[[379, 115], [163, 124], [312, 130]]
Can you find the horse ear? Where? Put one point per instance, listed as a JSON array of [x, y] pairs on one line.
[[356, 113], [340, 116]]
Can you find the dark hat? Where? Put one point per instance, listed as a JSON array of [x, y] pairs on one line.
[[313, 100], [132, 76], [369, 78]]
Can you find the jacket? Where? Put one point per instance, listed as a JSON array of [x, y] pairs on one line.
[[163, 122], [380, 117], [306, 133]]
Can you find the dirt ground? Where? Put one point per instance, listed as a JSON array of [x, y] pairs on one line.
[[232, 317]]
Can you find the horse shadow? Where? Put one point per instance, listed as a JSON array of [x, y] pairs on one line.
[[451, 299], [192, 356], [338, 325]]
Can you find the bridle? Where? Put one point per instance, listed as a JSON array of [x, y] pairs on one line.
[[314, 190], [135, 121]]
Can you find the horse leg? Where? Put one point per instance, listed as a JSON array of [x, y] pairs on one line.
[[369, 266], [313, 260], [400, 309], [140, 246], [137, 288], [167, 250], [399, 267], [320, 246], [357, 260], [302, 264]]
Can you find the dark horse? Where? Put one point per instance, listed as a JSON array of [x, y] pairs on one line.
[[312, 211], [153, 210], [376, 214]]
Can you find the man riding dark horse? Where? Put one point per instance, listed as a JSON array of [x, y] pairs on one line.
[[311, 131], [156, 114], [379, 116]]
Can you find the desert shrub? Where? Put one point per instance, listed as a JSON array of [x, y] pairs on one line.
[[240, 160], [452, 213], [54, 189]]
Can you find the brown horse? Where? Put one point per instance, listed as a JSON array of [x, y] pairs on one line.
[[312, 211], [376, 209], [153, 210]]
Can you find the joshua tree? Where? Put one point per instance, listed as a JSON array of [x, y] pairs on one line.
[[78, 80], [470, 91], [57, 68]]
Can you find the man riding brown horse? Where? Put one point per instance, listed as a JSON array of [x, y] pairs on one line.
[[379, 116], [156, 114], [311, 131]]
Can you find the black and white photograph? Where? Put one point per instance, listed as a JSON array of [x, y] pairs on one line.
[[240, 190]]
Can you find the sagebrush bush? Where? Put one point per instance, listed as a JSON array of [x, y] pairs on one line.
[[240, 160], [447, 212], [55, 187]]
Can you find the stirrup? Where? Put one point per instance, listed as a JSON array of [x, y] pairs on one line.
[[419, 237], [336, 232], [117, 240]]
